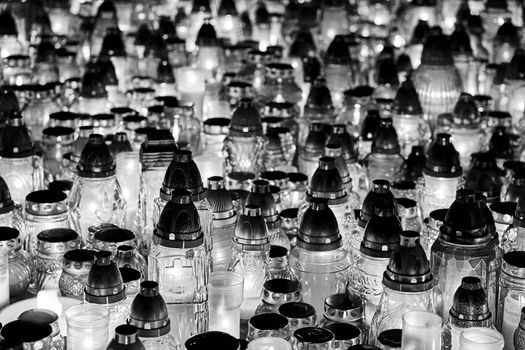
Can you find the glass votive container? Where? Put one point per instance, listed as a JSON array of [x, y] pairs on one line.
[[47, 317], [87, 327], [299, 315], [191, 86], [268, 325], [75, 270], [421, 331], [345, 335], [34, 335], [481, 338], [269, 343], [225, 296], [312, 338]]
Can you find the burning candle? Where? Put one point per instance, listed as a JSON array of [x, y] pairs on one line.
[[191, 86], [225, 293], [480, 338], [87, 327], [421, 331]]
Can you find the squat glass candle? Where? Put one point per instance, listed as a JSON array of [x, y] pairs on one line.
[[225, 296], [421, 331], [87, 327]]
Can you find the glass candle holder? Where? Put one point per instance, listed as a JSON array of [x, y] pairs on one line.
[[4, 277], [269, 343], [480, 338], [87, 327], [191, 86], [313, 338], [225, 296], [128, 166], [268, 325], [299, 315], [421, 331]]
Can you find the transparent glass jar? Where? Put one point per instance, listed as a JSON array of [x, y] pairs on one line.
[[357, 101], [244, 146], [56, 142], [409, 213], [299, 315], [215, 130], [75, 270], [279, 80], [313, 338], [313, 149], [380, 238], [47, 259], [277, 292], [16, 70], [322, 267], [268, 324], [21, 167], [186, 127], [224, 221], [345, 308], [44, 210], [128, 257], [466, 250], [250, 255], [278, 267], [384, 166], [179, 263], [156, 154], [466, 141], [128, 166], [298, 186], [20, 263], [41, 103], [430, 231], [182, 173]]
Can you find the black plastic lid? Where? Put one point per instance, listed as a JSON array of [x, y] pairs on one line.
[[437, 51], [206, 36], [385, 139], [382, 233], [407, 100], [465, 223], [391, 338], [16, 140], [148, 312], [460, 41], [210, 340], [370, 125], [96, 160], [8, 24], [297, 309], [268, 321], [319, 230], [341, 137], [113, 45], [515, 70], [484, 177], [408, 269], [93, 81], [380, 195], [179, 223], [27, 331], [8, 104], [338, 52], [303, 44], [470, 302], [246, 120], [183, 174], [104, 283], [6, 202], [344, 331], [326, 182], [442, 158], [313, 335]]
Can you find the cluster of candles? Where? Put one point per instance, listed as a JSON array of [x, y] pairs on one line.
[[262, 175]]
